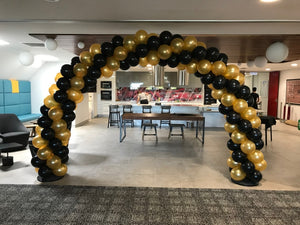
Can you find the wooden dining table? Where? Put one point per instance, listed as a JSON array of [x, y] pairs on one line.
[[200, 121]]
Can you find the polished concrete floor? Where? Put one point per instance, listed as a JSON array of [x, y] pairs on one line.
[[98, 158]]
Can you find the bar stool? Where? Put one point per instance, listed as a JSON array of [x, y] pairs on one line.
[[114, 115], [146, 109], [128, 109], [172, 125], [149, 125], [165, 109]]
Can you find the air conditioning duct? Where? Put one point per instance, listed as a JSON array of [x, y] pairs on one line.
[[158, 75], [183, 78]]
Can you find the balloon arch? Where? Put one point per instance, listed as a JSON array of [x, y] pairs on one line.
[[226, 82]]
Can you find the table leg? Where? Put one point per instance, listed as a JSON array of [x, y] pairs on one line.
[[122, 137], [197, 126], [203, 130]]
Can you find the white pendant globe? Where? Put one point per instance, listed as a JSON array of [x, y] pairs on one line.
[[50, 44], [277, 52], [26, 58], [80, 45], [250, 63], [260, 61]]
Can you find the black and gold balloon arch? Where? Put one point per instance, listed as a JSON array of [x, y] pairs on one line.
[[226, 82]]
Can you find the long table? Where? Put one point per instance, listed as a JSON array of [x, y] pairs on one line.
[[200, 120]]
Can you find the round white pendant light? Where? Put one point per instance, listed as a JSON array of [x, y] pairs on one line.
[[250, 63], [277, 52], [260, 61], [80, 45], [26, 58], [50, 44]]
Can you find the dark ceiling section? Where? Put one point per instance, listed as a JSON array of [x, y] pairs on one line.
[[239, 48]]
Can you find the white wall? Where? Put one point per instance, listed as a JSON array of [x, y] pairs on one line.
[[82, 111], [103, 105], [284, 75]]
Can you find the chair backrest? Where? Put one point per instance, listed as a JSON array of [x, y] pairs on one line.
[[127, 108], [113, 108], [11, 123], [146, 108], [165, 109]]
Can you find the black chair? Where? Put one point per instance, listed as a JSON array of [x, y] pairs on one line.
[[268, 121], [146, 109], [128, 109], [113, 116], [165, 109], [149, 125], [173, 125]]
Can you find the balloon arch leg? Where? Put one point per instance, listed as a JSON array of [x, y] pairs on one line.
[[226, 82]]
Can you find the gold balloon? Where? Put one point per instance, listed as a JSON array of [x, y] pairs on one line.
[[256, 157], [106, 72], [260, 166], [63, 135], [164, 52], [200, 43], [228, 99], [211, 86], [217, 93], [86, 58], [143, 62], [153, 58], [95, 49], [53, 88], [50, 102], [129, 43], [231, 71], [181, 66], [60, 171], [39, 142], [240, 105], [38, 130], [240, 78], [230, 127], [74, 95], [231, 163], [248, 147], [237, 174], [36, 169], [112, 63], [141, 37], [190, 42], [238, 137], [249, 113], [55, 113], [54, 162], [204, 66], [255, 122], [192, 67], [77, 83], [80, 70], [59, 125], [218, 68], [44, 153], [57, 77], [120, 53], [177, 45]]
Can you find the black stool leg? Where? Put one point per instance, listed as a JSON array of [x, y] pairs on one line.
[[108, 120], [271, 132], [266, 136], [182, 132]]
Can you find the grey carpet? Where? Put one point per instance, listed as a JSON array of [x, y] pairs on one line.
[[49, 204]]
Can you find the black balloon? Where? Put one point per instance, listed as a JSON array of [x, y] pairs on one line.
[[65, 159], [67, 71], [60, 96], [248, 167], [62, 152], [243, 92], [45, 172], [44, 110], [124, 65], [239, 156], [244, 125], [69, 117], [107, 49], [173, 61], [199, 53], [223, 57], [132, 59], [117, 41], [225, 109], [254, 134], [141, 50], [177, 36], [165, 37], [89, 82], [63, 83], [37, 162], [250, 101], [93, 72], [219, 82], [233, 146], [232, 86], [208, 78], [233, 117], [163, 62], [255, 176], [44, 122], [75, 60], [153, 43], [212, 54], [259, 144], [48, 133], [185, 57], [55, 144], [99, 60], [68, 106], [197, 74]]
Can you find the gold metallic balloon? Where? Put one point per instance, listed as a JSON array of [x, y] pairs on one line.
[[181, 66], [238, 137], [200, 43], [141, 37], [44, 153], [59, 125], [39, 142], [248, 147], [74, 95], [218, 68], [77, 83], [255, 122], [95, 49], [55, 113], [249, 113], [217, 93], [63, 135], [153, 58], [228, 99], [53, 88], [177, 45], [231, 71], [231, 163], [237, 174], [38, 130], [240, 78], [230, 127], [80, 70], [54, 162], [106, 72], [164, 52], [86, 58], [50, 102], [204, 66], [112, 63], [143, 62], [36, 169], [260, 166], [129, 43], [240, 105], [120, 53], [57, 77], [190, 42], [211, 86], [60, 171], [192, 67], [256, 157]]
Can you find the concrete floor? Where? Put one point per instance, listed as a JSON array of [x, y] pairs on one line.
[[98, 158]]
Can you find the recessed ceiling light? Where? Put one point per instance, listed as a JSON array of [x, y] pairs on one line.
[[268, 69], [294, 64], [52, 1], [269, 1], [3, 42]]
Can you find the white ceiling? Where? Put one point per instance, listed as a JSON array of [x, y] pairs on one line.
[[18, 18]]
